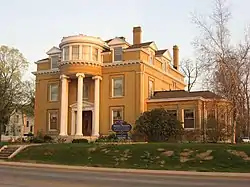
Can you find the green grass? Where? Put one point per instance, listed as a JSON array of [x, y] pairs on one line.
[[143, 156], [3, 143]]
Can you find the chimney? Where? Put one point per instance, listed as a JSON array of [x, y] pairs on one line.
[[137, 35], [176, 56]]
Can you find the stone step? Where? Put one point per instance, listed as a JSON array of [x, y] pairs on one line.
[[5, 154]]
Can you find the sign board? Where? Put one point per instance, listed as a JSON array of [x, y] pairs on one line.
[[120, 127], [122, 136]]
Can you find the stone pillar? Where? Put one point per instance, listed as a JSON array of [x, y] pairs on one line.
[[73, 123], [64, 106], [79, 104], [96, 119]]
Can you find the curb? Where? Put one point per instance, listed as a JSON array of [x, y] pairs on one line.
[[136, 171]]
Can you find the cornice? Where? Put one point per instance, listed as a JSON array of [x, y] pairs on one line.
[[80, 62], [50, 71]]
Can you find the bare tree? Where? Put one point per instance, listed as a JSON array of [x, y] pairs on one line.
[[191, 71], [12, 67], [224, 62]]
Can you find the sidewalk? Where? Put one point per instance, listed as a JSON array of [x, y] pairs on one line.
[[136, 171]]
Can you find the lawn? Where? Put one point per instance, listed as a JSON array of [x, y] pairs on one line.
[[3, 143], [159, 156]]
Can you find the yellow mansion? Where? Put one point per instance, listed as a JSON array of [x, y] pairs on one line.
[[86, 84]]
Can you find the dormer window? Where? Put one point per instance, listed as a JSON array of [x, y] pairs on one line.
[[151, 59], [117, 54], [54, 61]]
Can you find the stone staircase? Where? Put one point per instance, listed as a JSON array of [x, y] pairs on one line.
[[6, 152]]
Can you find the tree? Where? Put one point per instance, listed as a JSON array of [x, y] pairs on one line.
[[191, 71], [12, 66], [158, 125], [224, 62]]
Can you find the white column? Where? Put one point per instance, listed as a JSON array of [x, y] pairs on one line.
[[79, 104], [80, 52], [96, 119], [73, 123], [70, 52], [64, 105]]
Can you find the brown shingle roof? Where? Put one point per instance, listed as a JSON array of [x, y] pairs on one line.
[[160, 52], [145, 44], [43, 59], [121, 37], [183, 93]]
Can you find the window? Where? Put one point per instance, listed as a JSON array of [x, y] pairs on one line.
[[150, 88], [174, 85], [75, 52], [164, 66], [53, 120], [118, 54], [31, 128], [94, 54], [17, 119], [53, 96], [85, 52], [54, 61], [188, 119], [151, 58], [66, 53], [117, 114], [117, 87], [85, 91], [172, 113], [27, 123]]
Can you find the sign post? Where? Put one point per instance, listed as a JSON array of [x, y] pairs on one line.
[[121, 129]]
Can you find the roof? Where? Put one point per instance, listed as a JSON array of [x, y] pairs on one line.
[[183, 93], [145, 44], [43, 59], [160, 52], [121, 37]]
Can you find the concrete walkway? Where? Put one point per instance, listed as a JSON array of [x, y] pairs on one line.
[[136, 171]]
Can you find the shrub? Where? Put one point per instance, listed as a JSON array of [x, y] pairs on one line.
[[47, 139], [192, 135], [80, 141], [158, 125], [110, 138]]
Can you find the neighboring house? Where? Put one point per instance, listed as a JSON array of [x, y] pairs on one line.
[[202, 110], [86, 84], [19, 124]]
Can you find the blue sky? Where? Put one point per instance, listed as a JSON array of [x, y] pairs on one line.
[[34, 26]]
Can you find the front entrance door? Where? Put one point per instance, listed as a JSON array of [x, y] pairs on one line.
[[87, 123]]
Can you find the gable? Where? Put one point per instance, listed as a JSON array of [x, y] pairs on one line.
[[53, 50], [85, 105], [116, 41], [167, 55], [153, 46]]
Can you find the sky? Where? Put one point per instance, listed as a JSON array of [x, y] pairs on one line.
[[34, 26]]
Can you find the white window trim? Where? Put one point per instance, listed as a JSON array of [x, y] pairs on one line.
[[51, 56], [113, 56], [50, 99], [184, 119], [49, 112], [112, 113], [84, 85], [113, 78]]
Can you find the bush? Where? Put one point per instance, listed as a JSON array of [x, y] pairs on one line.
[[47, 139], [158, 125], [110, 138], [192, 135], [80, 141]]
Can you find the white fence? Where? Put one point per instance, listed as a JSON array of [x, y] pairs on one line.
[[8, 138]]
